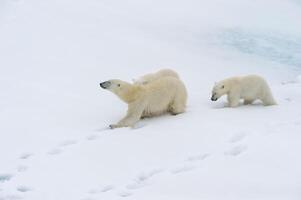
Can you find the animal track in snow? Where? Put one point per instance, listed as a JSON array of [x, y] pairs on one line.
[[237, 137], [105, 188], [67, 143], [5, 177], [123, 193], [198, 157], [93, 137], [22, 168], [184, 168], [23, 188], [141, 179], [55, 151], [26, 156], [235, 151]]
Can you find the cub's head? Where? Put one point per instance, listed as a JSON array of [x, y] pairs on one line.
[[219, 90], [121, 88]]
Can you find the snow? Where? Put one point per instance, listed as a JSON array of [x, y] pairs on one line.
[[55, 141]]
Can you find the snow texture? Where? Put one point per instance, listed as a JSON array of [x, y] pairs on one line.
[[55, 141]]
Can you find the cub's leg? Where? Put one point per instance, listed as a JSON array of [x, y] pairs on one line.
[[248, 101], [268, 100], [233, 100], [267, 96]]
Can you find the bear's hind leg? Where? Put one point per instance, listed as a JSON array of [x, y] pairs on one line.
[[178, 105]]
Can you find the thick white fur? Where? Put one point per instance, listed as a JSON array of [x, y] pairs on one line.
[[249, 88], [167, 94], [154, 76]]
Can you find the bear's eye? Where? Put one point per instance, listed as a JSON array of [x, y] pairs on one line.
[[118, 85], [223, 86]]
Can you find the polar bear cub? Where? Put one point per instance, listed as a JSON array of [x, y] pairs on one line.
[[167, 94], [154, 76], [249, 88]]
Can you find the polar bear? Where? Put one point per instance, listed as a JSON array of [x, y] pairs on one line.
[[249, 88], [154, 76], [167, 94]]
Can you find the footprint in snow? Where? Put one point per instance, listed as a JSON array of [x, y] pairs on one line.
[[92, 137], [103, 189], [107, 188], [5, 177], [141, 179], [135, 185], [55, 151], [22, 168], [124, 193], [25, 156], [67, 143], [198, 157], [235, 151], [182, 169], [237, 137], [23, 188]]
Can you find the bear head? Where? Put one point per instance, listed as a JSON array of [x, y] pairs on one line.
[[124, 90], [219, 90]]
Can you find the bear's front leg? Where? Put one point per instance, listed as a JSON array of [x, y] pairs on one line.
[[133, 115]]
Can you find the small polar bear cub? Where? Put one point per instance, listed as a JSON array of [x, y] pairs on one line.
[[167, 94], [154, 76], [249, 88]]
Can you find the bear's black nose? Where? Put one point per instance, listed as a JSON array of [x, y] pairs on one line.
[[105, 84], [213, 98]]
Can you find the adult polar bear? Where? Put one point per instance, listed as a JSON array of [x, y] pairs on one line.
[[154, 76], [249, 88], [167, 94]]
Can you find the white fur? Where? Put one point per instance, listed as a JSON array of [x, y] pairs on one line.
[[154, 76], [249, 88], [167, 94]]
